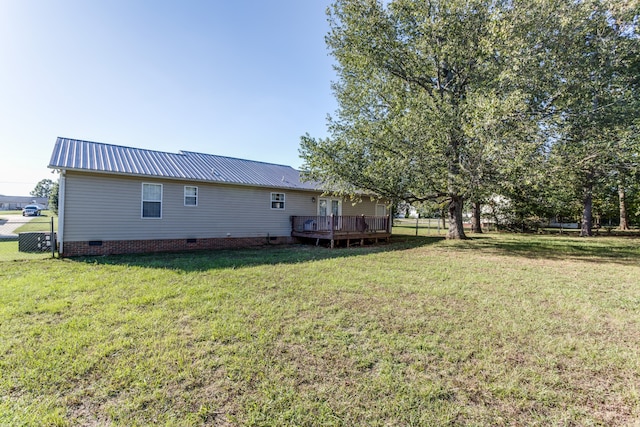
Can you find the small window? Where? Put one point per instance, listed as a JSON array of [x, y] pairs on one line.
[[277, 200], [151, 200], [190, 195]]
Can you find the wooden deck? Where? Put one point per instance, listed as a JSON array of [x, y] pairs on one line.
[[341, 228]]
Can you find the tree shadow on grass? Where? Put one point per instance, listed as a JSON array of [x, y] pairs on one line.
[[249, 257], [621, 250]]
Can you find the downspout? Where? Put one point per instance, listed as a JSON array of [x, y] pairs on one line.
[[61, 198]]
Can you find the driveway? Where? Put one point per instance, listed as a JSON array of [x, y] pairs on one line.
[[9, 223]]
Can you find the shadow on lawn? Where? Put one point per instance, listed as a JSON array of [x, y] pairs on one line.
[[239, 258], [621, 250]]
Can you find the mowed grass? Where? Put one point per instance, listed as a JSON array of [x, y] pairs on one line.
[[498, 330], [9, 249], [39, 223]]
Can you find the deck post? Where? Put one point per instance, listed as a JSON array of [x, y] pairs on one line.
[[333, 229]]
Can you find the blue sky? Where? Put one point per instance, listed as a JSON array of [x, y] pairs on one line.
[[241, 78]]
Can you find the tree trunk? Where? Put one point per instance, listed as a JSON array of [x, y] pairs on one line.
[[476, 225], [586, 229], [456, 229], [624, 215]]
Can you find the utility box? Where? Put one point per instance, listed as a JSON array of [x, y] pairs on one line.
[[35, 241]]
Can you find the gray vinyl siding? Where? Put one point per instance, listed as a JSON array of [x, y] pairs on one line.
[[103, 207], [365, 207]]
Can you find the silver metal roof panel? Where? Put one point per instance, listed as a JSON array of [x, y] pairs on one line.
[[73, 154]]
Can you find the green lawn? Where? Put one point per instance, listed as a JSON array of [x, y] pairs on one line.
[[498, 330], [10, 213], [39, 223]]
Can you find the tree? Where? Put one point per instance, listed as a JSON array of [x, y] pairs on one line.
[[42, 188], [53, 197], [622, 205], [426, 102], [595, 68]]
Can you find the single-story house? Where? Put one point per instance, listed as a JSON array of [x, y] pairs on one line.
[[115, 199], [18, 202]]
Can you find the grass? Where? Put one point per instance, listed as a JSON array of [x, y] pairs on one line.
[[5, 213], [498, 330], [9, 252], [39, 223], [9, 248]]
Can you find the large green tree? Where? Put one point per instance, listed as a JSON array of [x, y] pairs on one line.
[[427, 103], [42, 188], [595, 68]]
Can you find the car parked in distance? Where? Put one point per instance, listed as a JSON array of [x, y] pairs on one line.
[[31, 210]]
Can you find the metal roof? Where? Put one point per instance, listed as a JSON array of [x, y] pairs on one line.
[[73, 154]]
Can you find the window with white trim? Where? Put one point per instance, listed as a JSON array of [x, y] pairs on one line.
[[277, 200], [190, 195], [151, 200]]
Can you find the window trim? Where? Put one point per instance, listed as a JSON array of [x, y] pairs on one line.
[[142, 201], [276, 201], [191, 196]]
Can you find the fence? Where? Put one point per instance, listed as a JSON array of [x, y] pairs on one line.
[[27, 237], [429, 226]]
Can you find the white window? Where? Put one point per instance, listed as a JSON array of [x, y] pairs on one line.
[[190, 195], [151, 200], [277, 200]]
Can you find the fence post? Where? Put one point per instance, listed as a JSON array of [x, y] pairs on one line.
[[53, 241]]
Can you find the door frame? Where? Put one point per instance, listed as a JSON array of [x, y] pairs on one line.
[[329, 201]]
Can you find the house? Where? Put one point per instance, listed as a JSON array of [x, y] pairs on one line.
[[115, 199], [18, 202]]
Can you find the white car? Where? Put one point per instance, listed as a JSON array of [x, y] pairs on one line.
[[31, 210]]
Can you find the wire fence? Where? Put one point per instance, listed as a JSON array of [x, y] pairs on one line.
[[27, 237], [430, 226]]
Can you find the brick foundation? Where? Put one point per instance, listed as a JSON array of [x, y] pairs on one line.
[[114, 247]]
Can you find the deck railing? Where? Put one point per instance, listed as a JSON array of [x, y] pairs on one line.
[[341, 224]]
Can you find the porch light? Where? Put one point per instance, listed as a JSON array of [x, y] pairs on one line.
[[313, 199]]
